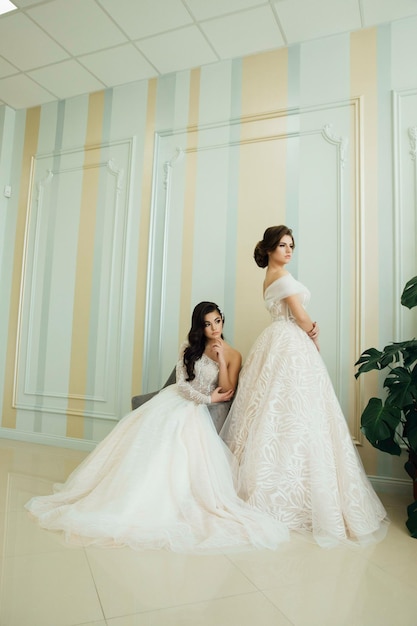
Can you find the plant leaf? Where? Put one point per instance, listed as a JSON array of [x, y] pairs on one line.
[[410, 352], [409, 295], [393, 352], [410, 468], [411, 524], [368, 360], [378, 423], [401, 387], [410, 428], [388, 445], [412, 508]]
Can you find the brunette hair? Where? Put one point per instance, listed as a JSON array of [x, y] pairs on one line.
[[196, 337], [272, 237]]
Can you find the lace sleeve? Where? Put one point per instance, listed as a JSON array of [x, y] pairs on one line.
[[185, 388]]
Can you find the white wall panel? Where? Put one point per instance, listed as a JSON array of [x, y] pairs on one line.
[[404, 53], [328, 257], [48, 282]]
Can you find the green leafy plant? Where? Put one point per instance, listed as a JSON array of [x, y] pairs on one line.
[[390, 424]]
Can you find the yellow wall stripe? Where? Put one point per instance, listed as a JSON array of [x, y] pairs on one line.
[[145, 211], [29, 150], [265, 82], [84, 271], [264, 89]]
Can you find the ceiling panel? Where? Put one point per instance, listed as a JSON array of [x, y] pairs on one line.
[[26, 3], [302, 20], [123, 64], [6, 68], [253, 30], [80, 26], [20, 92], [202, 10], [25, 45], [378, 11], [110, 42], [66, 79], [143, 18], [178, 50]]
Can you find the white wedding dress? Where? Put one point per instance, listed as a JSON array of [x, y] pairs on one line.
[[162, 478], [288, 433]]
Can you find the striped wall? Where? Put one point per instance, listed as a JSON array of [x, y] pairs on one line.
[[131, 205]]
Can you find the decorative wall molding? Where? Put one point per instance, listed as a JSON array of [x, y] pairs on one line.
[[256, 129], [69, 166], [168, 165], [341, 142], [412, 133], [395, 486], [47, 440]]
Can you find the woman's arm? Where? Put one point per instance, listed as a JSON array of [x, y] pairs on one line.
[[188, 391], [303, 319], [229, 361]]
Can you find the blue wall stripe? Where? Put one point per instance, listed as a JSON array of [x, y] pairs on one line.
[[293, 147], [46, 283]]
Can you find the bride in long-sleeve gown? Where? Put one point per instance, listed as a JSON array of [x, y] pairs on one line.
[[163, 478]]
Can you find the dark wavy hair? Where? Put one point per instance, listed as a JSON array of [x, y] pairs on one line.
[[196, 337], [272, 237]]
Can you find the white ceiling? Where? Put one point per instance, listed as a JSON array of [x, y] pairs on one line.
[[55, 49]]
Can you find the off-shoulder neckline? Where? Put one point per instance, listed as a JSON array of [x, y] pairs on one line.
[[276, 280]]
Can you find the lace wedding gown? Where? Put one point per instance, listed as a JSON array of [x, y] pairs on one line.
[[162, 478], [287, 431]]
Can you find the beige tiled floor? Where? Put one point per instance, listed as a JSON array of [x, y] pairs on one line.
[[46, 583]]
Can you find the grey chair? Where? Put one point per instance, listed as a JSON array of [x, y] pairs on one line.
[[217, 410]]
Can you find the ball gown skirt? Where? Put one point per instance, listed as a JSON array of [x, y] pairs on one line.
[[162, 478], [290, 437]]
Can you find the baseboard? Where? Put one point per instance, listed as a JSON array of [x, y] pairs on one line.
[[399, 486], [48, 440]]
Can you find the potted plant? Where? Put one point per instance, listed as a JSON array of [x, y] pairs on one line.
[[390, 424]]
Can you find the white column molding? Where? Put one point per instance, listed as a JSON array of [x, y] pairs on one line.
[[405, 200]]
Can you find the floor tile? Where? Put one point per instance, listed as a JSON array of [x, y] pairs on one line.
[[22, 535], [294, 563], [365, 597], [45, 582], [132, 582], [398, 556], [251, 609], [38, 460], [19, 488], [50, 589]]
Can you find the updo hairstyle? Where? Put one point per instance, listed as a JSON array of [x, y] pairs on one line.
[[272, 237]]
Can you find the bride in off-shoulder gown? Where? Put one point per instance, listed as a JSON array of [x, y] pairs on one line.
[[290, 437], [162, 478]]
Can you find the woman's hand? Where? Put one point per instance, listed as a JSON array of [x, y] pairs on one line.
[[314, 332], [217, 349], [314, 335], [221, 396]]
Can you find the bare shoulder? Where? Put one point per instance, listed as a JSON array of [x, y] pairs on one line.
[[233, 356], [272, 275]]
